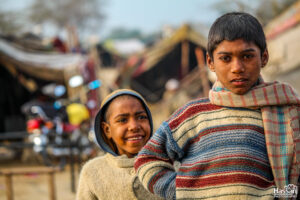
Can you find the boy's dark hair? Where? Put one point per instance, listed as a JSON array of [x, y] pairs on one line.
[[236, 25]]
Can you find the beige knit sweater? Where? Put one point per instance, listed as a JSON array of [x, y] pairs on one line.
[[109, 177]]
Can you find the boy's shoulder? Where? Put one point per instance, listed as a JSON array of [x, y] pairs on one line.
[[192, 108]]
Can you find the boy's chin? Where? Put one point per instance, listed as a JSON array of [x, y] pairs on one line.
[[240, 91]]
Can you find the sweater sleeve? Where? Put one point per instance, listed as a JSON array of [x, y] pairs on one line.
[[154, 164], [84, 191]]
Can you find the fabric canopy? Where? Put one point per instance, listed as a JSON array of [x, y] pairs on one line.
[[47, 66]]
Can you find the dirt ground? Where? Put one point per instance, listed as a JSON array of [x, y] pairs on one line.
[[35, 186]]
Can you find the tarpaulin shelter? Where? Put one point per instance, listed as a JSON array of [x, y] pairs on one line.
[[24, 72], [283, 34], [172, 58]]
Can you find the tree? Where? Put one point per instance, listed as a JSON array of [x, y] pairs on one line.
[[85, 15], [123, 33], [264, 10], [268, 9], [8, 24], [225, 6], [9, 20]]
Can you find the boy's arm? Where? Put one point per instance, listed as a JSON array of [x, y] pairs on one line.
[[154, 164]]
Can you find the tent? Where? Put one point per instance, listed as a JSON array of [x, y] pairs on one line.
[[172, 58], [24, 72]]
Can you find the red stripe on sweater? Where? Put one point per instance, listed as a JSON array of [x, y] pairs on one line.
[[221, 164], [201, 182], [154, 180], [191, 111], [223, 157], [142, 159], [152, 149], [225, 128]]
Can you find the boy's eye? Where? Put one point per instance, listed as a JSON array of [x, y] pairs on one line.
[[122, 120], [225, 58], [247, 56], [142, 117]]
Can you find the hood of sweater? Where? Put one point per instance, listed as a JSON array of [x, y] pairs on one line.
[[101, 138]]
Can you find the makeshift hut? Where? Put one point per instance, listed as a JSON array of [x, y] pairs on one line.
[[172, 58], [283, 34], [23, 74], [107, 58]]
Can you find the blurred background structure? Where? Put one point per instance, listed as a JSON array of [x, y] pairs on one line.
[[57, 54]]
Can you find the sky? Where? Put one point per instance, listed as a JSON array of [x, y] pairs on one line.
[[146, 15], [152, 15]]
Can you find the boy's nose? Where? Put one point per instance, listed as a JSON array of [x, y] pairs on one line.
[[133, 125], [237, 66]]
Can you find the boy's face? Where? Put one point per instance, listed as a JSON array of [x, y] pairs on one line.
[[127, 125], [237, 64]]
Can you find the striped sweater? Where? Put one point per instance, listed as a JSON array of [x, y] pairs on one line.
[[221, 150]]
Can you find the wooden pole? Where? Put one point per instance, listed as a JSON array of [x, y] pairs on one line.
[[52, 192], [9, 187], [184, 58], [203, 71]]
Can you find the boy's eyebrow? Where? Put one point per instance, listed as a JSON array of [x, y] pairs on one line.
[[244, 51], [121, 115], [140, 112], [126, 114]]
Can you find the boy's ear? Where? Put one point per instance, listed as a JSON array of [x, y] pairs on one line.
[[106, 129], [264, 58], [210, 62]]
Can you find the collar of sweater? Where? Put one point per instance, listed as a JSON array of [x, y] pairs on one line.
[[121, 161]]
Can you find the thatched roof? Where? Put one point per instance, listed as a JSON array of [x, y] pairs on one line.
[[158, 51]]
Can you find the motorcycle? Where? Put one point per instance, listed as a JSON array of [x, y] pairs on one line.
[[61, 130], [56, 139]]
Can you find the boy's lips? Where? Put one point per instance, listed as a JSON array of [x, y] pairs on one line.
[[239, 81], [135, 138]]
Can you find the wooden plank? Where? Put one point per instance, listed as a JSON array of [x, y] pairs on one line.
[[28, 170]]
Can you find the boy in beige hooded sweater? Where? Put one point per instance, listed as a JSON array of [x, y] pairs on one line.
[[123, 125]]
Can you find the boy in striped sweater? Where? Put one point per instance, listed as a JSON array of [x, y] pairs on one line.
[[242, 142]]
